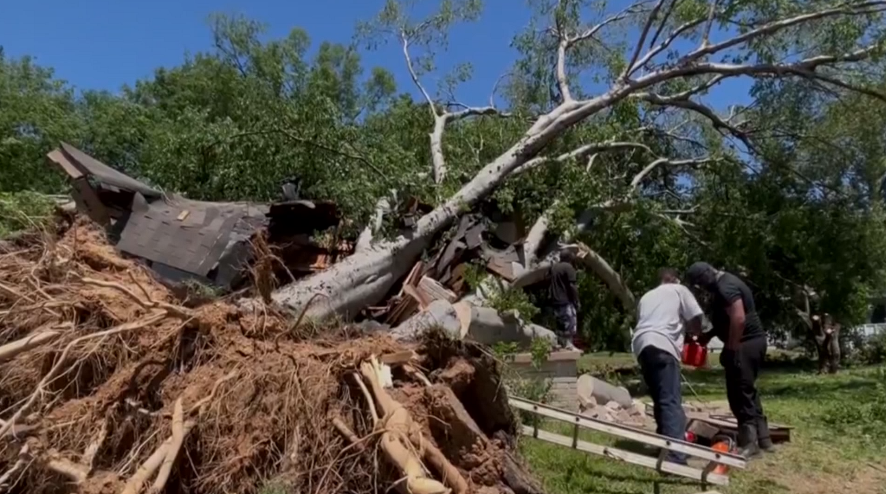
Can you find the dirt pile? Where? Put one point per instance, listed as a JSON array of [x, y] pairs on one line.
[[108, 384]]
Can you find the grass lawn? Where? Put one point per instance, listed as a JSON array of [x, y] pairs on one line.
[[838, 444]]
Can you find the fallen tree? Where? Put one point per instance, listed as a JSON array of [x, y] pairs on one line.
[[653, 68]]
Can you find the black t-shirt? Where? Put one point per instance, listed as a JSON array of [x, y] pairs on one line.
[[562, 279], [729, 289]]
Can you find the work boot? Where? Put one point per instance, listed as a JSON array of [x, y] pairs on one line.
[[747, 440], [764, 440]]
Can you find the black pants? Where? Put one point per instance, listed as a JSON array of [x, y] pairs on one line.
[[741, 383], [661, 372]]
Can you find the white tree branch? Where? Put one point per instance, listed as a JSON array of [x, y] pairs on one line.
[[719, 123], [537, 235], [364, 240], [705, 39], [441, 117], [609, 275], [849, 8], [642, 41], [589, 33], [652, 53], [412, 74], [581, 152], [660, 162]]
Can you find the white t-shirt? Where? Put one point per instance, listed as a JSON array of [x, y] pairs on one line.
[[661, 315]]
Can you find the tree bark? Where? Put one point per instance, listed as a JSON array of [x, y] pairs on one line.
[[476, 323]]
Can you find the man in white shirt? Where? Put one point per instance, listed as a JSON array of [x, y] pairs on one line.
[[663, 315]]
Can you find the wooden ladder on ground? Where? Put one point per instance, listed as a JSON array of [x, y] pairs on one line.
[[705, 476]]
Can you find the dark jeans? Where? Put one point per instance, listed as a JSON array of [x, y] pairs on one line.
[[661, 372], [741, 388]]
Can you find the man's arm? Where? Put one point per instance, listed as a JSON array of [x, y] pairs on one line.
[[735, 310], [573, 289], [690, 312]]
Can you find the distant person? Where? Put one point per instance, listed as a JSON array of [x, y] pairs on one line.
[[827, 341], [663, 314], [564, 299], [737, 324]]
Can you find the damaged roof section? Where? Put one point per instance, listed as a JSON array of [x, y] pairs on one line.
[[182, 239]]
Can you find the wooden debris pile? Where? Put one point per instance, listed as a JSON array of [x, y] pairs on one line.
[[109, 385]]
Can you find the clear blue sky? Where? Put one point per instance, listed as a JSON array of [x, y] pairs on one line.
[[104, 44]]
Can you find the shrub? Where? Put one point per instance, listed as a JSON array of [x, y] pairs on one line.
[[873, 350], [22, 210]]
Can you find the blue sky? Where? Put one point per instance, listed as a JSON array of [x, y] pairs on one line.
[[104, 44]]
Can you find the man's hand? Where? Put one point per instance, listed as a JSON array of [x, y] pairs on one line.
[[730, 359]]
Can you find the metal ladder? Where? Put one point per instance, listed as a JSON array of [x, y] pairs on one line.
[[666, 444]]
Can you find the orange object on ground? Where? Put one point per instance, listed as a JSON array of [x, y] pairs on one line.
[[694, 355], [723, 447]]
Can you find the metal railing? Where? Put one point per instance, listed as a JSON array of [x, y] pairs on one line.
[[871, 330]]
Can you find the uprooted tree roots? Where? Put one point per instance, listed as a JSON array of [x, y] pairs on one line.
[[107, 385]]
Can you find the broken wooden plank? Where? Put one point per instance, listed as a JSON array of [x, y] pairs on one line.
[[422, 299], [473, 237], [501, 267], [412, 277], [399, 358], [433, 290], [450, 250], [184, 214]]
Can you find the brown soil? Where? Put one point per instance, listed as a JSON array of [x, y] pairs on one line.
[[260, 398]]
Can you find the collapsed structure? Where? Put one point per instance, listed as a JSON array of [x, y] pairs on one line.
[[214, 243], [182, 239]]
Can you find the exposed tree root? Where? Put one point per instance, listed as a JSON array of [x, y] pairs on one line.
[[62, 360], [397, 426], [110, 403]]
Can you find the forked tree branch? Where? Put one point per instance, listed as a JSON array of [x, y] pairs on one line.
[[441, 116]]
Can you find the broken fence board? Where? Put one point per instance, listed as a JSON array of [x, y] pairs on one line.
[[431, 290], [626, 456], [631, 433]]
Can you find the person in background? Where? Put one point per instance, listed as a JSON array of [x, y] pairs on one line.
[[663, 314], [736, 322], [827, 340], [564, 299]]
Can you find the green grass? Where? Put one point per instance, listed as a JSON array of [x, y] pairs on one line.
[[837, 445]]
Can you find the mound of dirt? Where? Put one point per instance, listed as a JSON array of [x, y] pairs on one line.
[[109, 385]]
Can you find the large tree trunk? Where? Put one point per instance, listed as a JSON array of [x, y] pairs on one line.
[[359, 281]]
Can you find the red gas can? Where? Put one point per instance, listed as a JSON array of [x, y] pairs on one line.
[[694, 355]]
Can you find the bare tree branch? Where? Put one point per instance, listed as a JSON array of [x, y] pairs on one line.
[[580, 152], [652, 53], [589, 33], [645, 172], [719, 123], [856, 8], [412, 74], [705, 39], [441, 116], [643, 34]]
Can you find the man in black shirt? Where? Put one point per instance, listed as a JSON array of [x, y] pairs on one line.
[[564, 298], [736, 322]]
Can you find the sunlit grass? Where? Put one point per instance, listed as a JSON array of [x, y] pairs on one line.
[[837, 445]]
